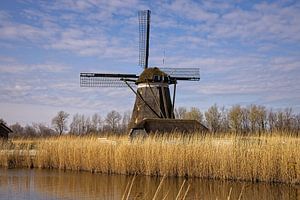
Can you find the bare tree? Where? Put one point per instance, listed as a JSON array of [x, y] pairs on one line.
[[96, 123], [59, 122], [195, 114], [88, 126], [180, 112], [125, 121], [42, 130], [235, 118], [113, 119], [78, 125], [287, 119], [245, 120], [279, 121], [17, 129], [272, 117], [262, 118], [253, 118], [224, 120], [74, 125], [213, 118], [29, 131], [297, 124], [2, 121]]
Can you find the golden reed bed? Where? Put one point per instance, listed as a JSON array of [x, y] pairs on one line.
[[266, 158]]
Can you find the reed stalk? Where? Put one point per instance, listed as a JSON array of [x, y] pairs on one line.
[[270, 158], [186, 192], [131, 184], [158, 188], [181, 187]]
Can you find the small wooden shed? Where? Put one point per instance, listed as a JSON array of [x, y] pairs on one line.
[[157, 125], [4, 131]]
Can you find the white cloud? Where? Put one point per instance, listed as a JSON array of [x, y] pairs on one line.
[[192, 10], [265, 22], [7, 59], [285, 63], [11, 31], [4, 15], [28, 68]]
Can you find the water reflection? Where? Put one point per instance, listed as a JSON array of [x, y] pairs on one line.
[[53, 184]]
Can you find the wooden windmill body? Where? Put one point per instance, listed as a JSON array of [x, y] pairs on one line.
[[153, 110], [153, 96]]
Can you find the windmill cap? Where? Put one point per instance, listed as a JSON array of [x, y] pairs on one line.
[[153, 74]]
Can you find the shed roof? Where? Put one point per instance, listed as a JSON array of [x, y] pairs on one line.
[[4, 131], [170, 125], [4, 127]]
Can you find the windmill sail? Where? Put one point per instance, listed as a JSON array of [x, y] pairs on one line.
[[185, 74], [107, 80], [144, 31]]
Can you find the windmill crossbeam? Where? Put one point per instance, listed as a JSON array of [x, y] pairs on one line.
[[185, 78], [108, 75]]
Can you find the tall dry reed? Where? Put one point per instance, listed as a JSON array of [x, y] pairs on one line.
[[265, 158]]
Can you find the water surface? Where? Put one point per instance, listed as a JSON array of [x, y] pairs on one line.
[[37, 184]]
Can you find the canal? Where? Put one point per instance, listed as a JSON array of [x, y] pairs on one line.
[[34, 184]]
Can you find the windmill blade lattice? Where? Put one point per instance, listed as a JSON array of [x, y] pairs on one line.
[[144, 31], [107, 80], [186, 74]]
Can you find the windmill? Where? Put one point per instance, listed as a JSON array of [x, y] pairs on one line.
[[153, 110]]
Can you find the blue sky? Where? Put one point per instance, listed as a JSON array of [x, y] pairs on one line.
[[248, 52]]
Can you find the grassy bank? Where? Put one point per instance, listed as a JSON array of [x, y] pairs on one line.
[[265, 158]]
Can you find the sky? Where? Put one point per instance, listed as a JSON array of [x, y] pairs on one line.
[[248, 53]]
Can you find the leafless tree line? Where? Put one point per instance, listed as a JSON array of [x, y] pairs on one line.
[[34, 130], [113, 123], [251, 119], [244, 120]]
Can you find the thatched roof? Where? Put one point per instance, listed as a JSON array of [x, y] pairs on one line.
[[148, 75]]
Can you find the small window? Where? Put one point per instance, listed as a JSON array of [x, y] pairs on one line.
[[156, 78]]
